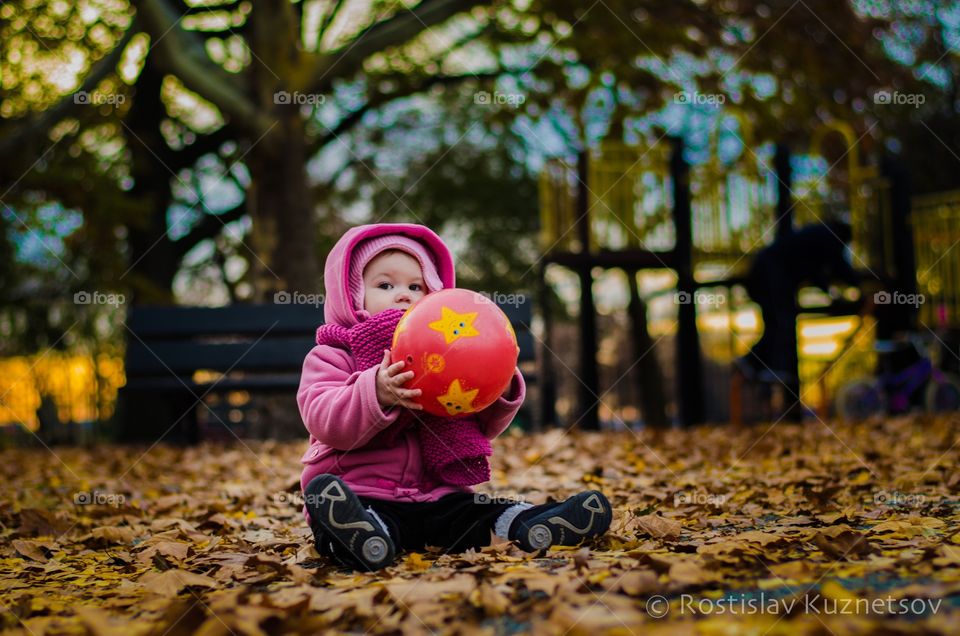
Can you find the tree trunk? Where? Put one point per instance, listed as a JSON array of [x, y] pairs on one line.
[[153, 259], [284, 227]]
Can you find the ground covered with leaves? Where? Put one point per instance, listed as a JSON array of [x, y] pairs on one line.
[[767, 530]]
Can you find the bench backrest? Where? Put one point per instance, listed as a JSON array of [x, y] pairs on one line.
[[270, 338], [251, 338]]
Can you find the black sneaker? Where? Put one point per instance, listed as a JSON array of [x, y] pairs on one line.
[[341, 518], [586, 514]]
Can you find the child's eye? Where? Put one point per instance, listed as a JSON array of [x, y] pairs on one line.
[[415, 287], [381, 285]]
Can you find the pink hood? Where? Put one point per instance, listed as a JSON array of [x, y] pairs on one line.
[[338, 306]]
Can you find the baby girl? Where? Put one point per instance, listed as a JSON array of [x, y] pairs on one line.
[[380, 474]]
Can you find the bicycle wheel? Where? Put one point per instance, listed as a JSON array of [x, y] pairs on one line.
[[943, 396], [859, 399]]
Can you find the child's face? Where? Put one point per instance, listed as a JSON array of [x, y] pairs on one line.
[[392, 280]]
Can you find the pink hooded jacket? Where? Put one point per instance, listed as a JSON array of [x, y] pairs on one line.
[[339, 405]]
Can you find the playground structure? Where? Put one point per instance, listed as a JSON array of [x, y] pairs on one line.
[[936, 231], [645, 208]]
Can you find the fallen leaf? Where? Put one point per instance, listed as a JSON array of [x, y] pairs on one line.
[[123, 535], [171, 582], [659, 527], [29, 549]]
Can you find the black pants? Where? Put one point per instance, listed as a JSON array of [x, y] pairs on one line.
[[456, 522]]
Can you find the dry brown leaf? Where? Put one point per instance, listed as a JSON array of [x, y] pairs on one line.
[[659, 527], [30, 549], [419, 590], [794, 570], [842, 542], [123, 535], [171, 582], [689, 573], [636, 583], [490, 600]]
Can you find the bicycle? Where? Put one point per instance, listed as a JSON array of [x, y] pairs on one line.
[[918, 385]]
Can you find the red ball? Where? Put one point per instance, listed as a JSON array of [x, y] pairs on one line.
[[461, 348]]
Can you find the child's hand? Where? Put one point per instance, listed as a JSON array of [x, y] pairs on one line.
[[390, 382]]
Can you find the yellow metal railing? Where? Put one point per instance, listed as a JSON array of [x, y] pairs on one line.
[[936, 235], [832, 351], [630, 202], [557, 189], [733, 203], [630, 198], [857, 189], [733, 206]]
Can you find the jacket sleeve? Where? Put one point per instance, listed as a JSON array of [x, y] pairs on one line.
[[496, 418], [339, 405]]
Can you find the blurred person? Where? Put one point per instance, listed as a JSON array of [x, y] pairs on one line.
[[817, 254]]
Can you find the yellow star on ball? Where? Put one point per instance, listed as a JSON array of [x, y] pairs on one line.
[[454, 326], [513, 334], [456, 400]]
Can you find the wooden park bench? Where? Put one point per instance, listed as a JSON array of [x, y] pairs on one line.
[[224, 356]]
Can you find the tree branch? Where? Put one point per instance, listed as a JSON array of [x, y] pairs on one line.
[[32, 126], [208, 9], [379, 99], [327, 21], [188, 155], [182, 54], [209, 227], [353, 161], [393, 31]]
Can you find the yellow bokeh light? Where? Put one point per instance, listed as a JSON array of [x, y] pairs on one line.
[[82, 389]]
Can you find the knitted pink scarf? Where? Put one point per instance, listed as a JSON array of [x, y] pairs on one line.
[[453, 448]]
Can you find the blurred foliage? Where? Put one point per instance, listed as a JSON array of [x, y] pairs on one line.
[[63, 207], [146, 183], [791, 66], [472, 183], [81, 388]]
